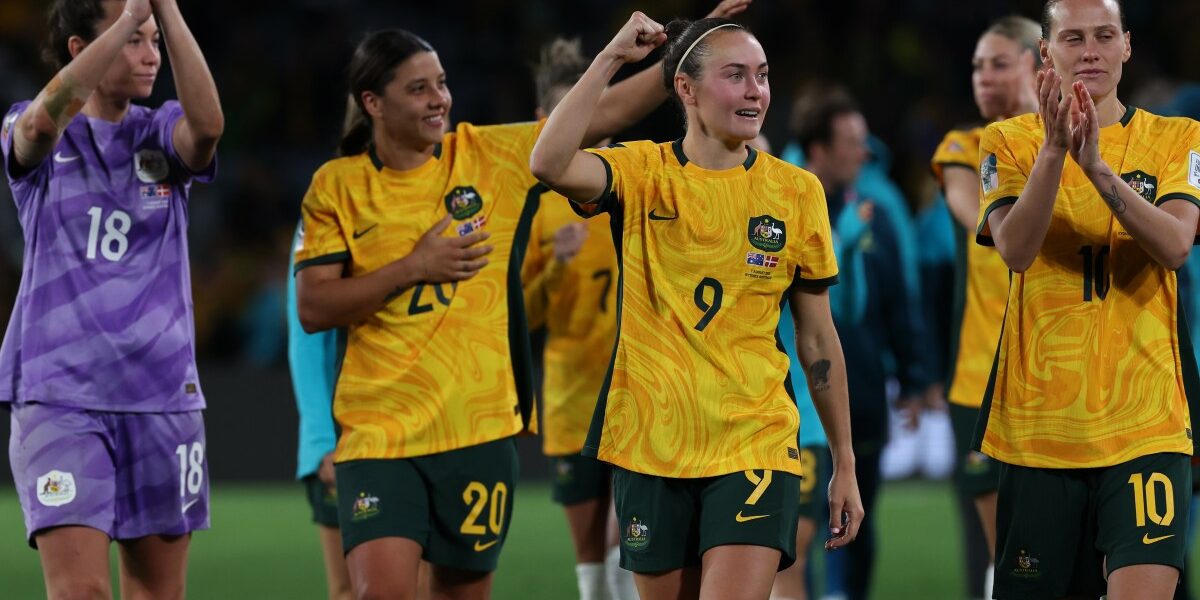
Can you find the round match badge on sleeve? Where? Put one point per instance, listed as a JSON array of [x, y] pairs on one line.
[[989, 174], [1194, 169]]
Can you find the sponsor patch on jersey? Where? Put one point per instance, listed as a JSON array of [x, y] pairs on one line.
[[1194, 169], [155, 196], [761, 260], [955, 147], [472, 225], [151, 166], [56, 488], [989, 174], [1145, 185], [463, 202], [767, 233]]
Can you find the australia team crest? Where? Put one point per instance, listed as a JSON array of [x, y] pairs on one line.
[[1145, 185], [463, 202], [767, 233]]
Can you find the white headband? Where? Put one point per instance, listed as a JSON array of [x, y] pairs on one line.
[[689, 49]]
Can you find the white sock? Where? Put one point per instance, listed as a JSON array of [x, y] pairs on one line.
[[591, 580], [988, 577], [620, 581]]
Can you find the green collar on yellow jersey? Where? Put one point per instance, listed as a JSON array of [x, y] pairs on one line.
[[437, 153], [677, 147]]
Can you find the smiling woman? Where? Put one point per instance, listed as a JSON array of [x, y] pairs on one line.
[[711, 235], [413, 242]]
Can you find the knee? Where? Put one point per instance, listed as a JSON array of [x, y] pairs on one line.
[[382, 591], [79, 588]]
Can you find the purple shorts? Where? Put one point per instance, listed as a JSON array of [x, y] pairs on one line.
[[127, 474]]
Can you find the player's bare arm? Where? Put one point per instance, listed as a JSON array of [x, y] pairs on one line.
[[1018, 230], [556, 159], [820, 353], [197, 133], [40, 126], [1165, 232], [962, 195], [326, 298], [628, 101]]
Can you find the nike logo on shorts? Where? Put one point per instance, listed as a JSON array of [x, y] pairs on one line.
[[188, 505], [1147, 540], [481, 546], [357, 234], [742, 519], [654, 217]]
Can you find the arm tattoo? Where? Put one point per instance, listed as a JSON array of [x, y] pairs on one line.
[[818, 373], [1114, 200], [62, 102]]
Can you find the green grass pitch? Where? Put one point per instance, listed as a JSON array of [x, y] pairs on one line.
[[263, 546]]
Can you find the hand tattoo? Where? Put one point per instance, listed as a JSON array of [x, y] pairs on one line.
[[1114, 200], [818, 373]]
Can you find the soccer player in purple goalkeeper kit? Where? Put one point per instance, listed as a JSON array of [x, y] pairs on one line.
[[98, 363]]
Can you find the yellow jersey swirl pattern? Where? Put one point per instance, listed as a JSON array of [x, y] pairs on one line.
[[576, 302], [697, 381], [1093, 369], [981, 282], [440, 366]]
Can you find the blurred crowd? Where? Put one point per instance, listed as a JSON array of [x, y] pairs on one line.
[[280, 66]]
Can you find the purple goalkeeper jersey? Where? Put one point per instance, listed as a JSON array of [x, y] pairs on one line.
[[103, 318]]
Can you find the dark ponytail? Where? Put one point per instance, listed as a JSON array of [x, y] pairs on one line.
[[681, 33], [371, 69], [356, 130], [69, 18]]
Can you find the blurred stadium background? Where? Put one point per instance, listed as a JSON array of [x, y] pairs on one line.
[[279, 67]]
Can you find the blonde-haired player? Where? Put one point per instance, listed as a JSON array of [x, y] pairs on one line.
[[1004, 69], [1093, 205]]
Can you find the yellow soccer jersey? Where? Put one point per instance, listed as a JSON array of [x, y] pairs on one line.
[[696, 387], [1091, 365], [981, 286], [441, 366], [577, 303]]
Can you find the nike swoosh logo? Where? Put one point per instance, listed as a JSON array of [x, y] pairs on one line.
[[358, 234], [654, 217], [740, 519], [1147, 540], [59, 158], [480, 546], [189, 505]]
